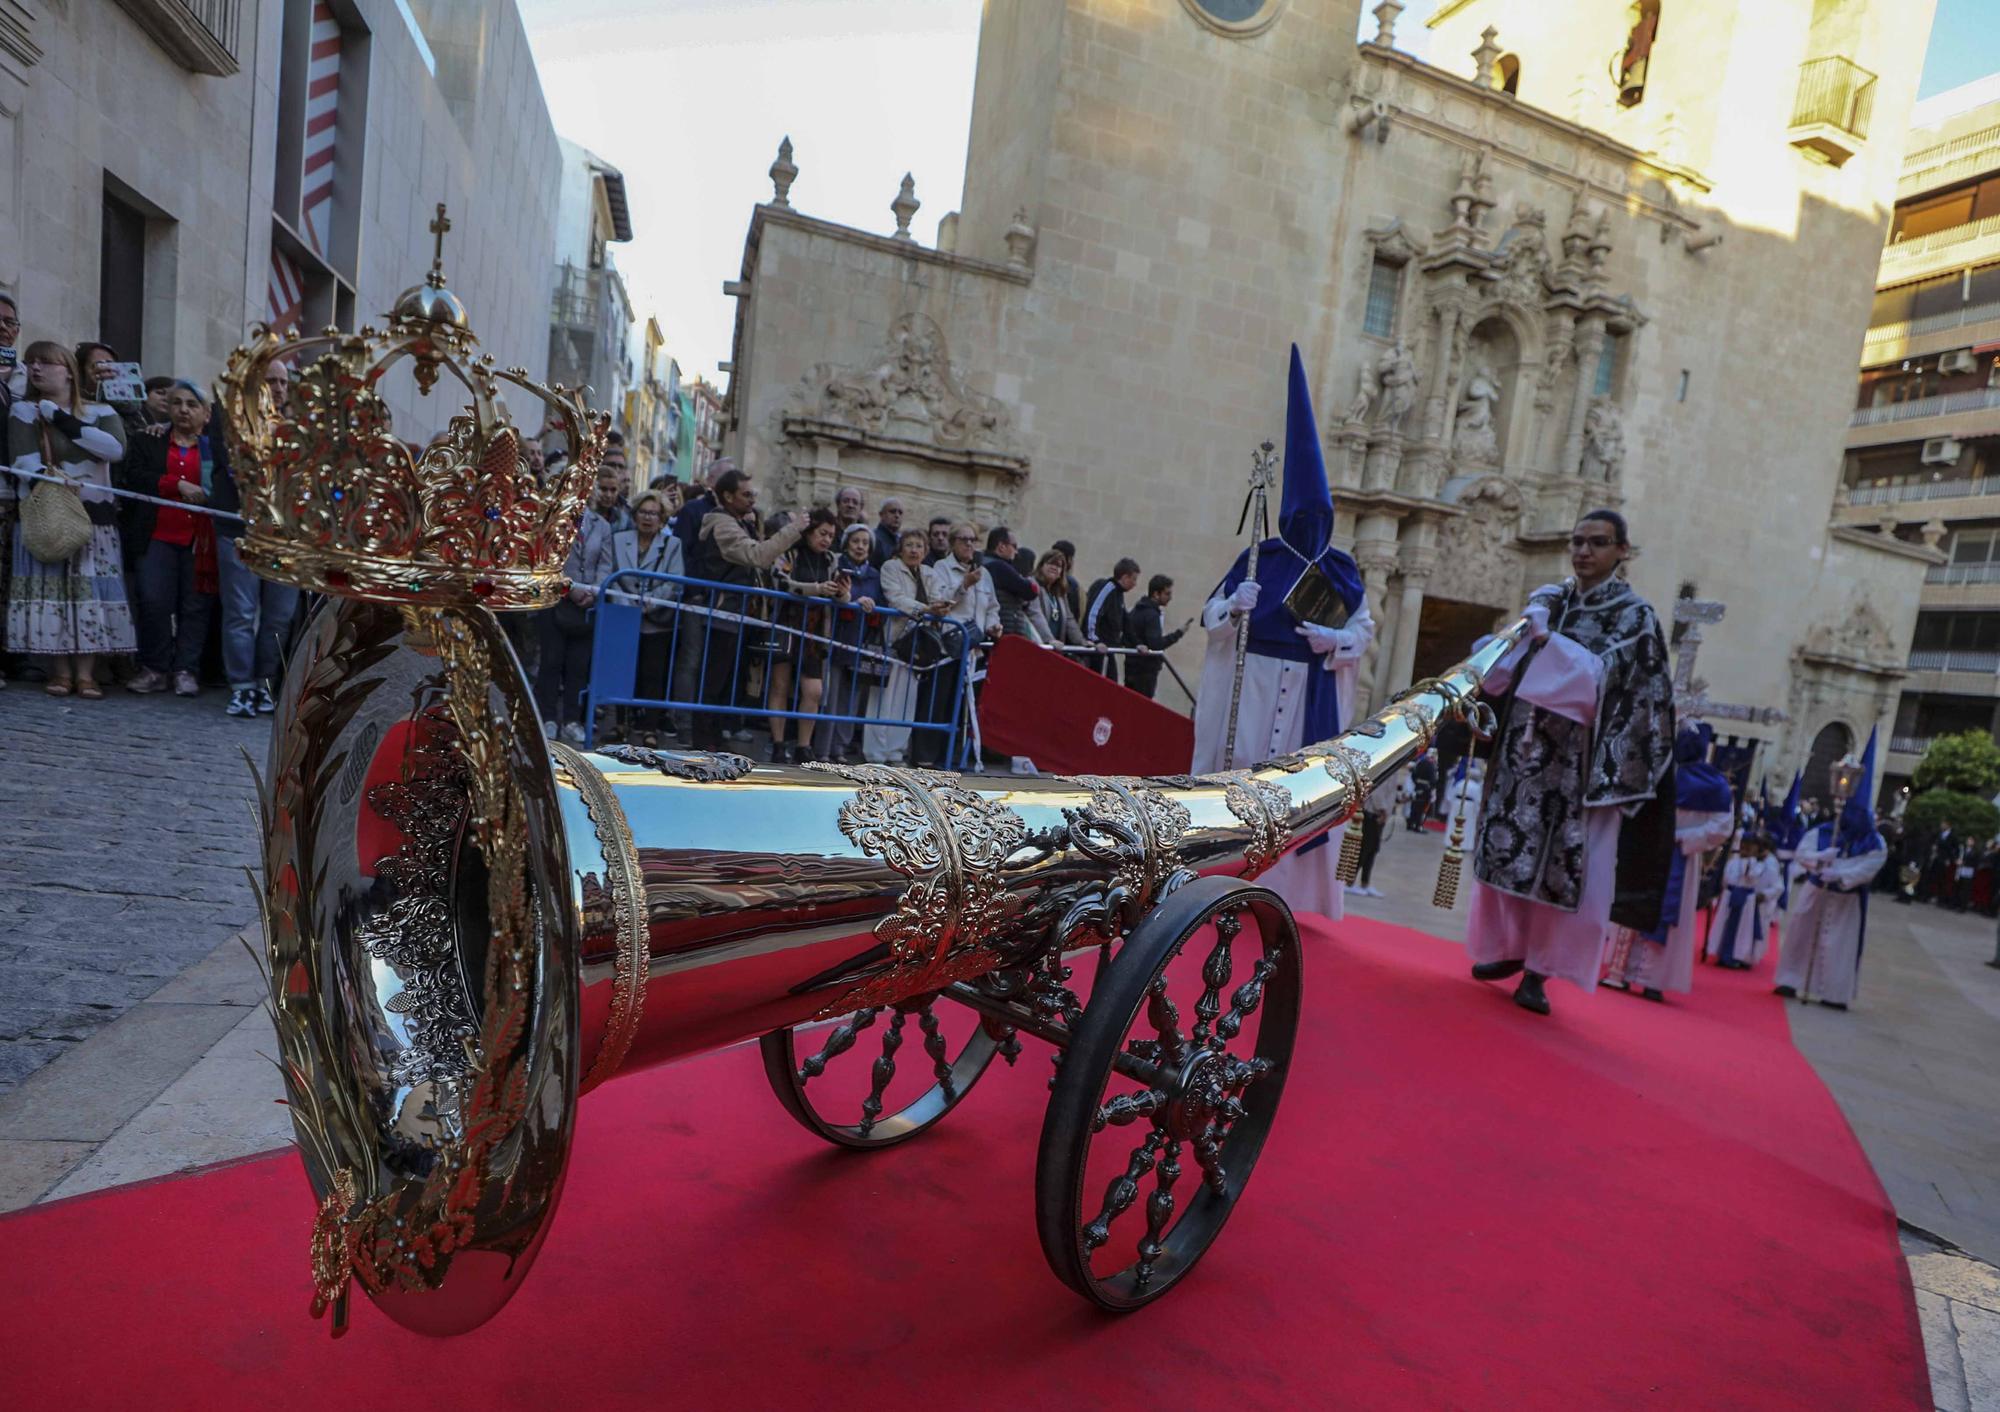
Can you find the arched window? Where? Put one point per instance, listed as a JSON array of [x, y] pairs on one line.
[[1507, 74], [1832, 743]]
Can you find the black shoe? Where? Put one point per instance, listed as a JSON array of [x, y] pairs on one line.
[[1497, 970], [1788, 991], [1529, 995], [780, 753], [1834, 1004], [1652, 993]]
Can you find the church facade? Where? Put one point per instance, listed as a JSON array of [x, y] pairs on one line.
[[1527, 279]]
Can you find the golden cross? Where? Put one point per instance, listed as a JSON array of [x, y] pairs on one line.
[[438, 228]]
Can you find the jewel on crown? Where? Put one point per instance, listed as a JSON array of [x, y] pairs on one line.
[[334, 501]]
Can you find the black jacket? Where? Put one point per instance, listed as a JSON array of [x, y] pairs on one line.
[[1104, 614], [1014, 591], [1145, 627], [145, 462]]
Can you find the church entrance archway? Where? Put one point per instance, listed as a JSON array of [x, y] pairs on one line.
[[1833, 741], [1446, 630]]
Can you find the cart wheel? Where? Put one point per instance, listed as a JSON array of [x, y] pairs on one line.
[[1207, 1093], [889, 1105]]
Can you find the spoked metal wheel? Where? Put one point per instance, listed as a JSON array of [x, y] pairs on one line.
[[1184, 1046], [836, 1091]]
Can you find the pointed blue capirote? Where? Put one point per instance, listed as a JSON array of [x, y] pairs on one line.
[[1857, 815], [1305, 508], [1792, 799]]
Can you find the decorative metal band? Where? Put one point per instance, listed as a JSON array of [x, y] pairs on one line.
[[634, 958], [1158, 821], [701, 766], [952, 842], [1266, 807]]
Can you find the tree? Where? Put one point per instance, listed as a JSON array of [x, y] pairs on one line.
[[1966, 763], [1968, 814]]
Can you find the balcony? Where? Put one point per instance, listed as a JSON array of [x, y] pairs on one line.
[[1830, 117], [1959, 489], [1971, 243], [579, 294], [200, 34], [1946, 162], [1954, 672], [1933, 333], [1961, 587], [1944, 404]]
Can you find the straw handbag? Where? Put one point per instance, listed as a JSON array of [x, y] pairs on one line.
[[54, 524]]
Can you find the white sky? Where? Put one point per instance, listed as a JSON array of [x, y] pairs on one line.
[[689, 98]]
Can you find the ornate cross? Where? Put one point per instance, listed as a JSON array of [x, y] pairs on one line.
[[1690, 691], [440, 224]]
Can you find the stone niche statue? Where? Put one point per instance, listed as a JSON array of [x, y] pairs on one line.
[[1603, 441], [1475, 435], [1396, 381]]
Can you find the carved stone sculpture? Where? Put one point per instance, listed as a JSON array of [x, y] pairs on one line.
[[1475, 436], [912, 394], [1396, 381], [1603, 441]]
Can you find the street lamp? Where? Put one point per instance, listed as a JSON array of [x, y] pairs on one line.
[[1846, 775]]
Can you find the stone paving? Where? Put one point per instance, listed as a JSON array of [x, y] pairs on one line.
[[125, 829]]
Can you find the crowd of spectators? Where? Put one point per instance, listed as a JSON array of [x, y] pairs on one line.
[[825, 615]]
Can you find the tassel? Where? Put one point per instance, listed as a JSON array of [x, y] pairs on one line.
[[1349, 866], [1446, 895]]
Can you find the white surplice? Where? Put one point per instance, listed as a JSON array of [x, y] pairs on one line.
[[1765, 879], [1270, 721], [1564, 677], [1821, 956]]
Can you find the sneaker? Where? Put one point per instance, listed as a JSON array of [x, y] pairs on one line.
[[549, 730], [267, 704], [147, 681], [243, 702], [186, 685], [573, 733]]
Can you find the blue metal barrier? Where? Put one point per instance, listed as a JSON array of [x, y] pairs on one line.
[[716, 631]]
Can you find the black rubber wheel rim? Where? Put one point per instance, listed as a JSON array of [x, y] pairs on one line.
[[953, 1061], [1122, 1236]]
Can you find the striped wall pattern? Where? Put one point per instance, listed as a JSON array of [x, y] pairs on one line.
[[322, 125]]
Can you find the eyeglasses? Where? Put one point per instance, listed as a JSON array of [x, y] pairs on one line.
[[963, 538], [8, 321], [1590, 541]]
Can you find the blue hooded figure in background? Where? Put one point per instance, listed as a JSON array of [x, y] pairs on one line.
[[1309, 627], [1833, 866]]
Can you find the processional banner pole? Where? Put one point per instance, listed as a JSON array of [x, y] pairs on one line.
[[1263, 469]]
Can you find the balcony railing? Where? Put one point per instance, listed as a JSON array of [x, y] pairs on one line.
[[1955, 660], [1945, 161], [1944, 404], [1905, 491], [1909, 744], [1837, 93], [579, 293], [1903, 251], [1933, 323], [202, 35], [1963, 573]]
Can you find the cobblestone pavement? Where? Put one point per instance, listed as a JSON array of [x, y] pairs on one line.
[[125, 827]]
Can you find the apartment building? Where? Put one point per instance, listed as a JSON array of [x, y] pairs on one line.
[[1923, 447]]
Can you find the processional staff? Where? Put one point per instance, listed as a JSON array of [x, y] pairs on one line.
[[1263, 470]]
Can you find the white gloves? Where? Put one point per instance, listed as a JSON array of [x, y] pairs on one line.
[[1537, 615], [1322, 640], [1245, 598]]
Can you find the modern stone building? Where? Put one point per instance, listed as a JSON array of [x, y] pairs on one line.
[[1923, 453], [1597, 253], [590, 314], [172, 171]]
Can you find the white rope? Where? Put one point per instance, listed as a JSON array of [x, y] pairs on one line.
[[82, 485]]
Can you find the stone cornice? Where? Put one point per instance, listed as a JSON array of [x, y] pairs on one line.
[[770, 215], [18, 49], [816, 429], [1841, 662], [1886, 544]]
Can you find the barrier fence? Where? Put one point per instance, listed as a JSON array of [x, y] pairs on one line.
[[708, 655]]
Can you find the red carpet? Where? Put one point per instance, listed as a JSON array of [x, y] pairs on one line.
[[1462, 1206]]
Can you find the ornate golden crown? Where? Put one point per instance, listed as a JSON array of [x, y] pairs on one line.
[[334, 501]]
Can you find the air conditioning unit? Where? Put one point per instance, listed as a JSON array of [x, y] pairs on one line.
[[1959, 360], [1941, 451]]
